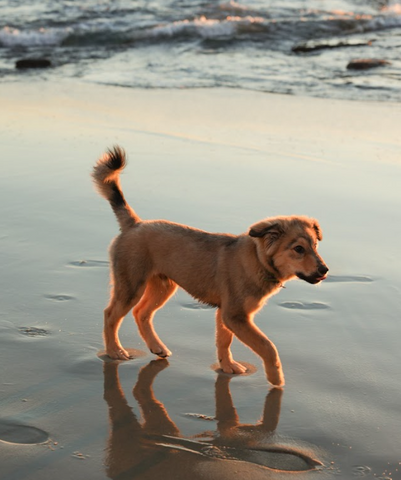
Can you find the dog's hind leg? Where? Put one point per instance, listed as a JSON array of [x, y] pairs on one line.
[[113, 316], [245, 330], [158, 290], [224, 337]]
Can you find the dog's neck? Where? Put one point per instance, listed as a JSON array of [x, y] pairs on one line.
[[272, 274], [269, 275], [271, 279]]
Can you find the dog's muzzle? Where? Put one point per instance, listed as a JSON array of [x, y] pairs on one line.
[[317, 277]]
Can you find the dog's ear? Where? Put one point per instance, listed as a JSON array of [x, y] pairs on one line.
[[318, 230], [261, 229]]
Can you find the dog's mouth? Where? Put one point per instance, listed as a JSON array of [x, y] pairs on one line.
[[313, 279]]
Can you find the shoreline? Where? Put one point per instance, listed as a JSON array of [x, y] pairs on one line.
[[180, 113]]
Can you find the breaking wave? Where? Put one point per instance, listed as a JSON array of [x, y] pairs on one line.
[[231, 27], [208, 28], [210, 44], [14, 37]]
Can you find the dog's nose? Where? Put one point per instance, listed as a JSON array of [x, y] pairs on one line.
[[322, 269]]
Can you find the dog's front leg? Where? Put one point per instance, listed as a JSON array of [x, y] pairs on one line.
[[241, 324], [224, 337]]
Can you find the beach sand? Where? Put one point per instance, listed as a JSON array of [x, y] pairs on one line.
[[217, 160]]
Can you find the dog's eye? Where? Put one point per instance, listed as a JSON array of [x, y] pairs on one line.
[[299, 249]]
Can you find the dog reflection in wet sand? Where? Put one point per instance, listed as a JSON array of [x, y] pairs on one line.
[[154, 448], [235, 273]]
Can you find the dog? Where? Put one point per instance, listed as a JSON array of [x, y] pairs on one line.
[[234, 273]]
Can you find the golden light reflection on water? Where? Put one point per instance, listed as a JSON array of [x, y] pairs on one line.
[[154, 446], [394, 8]]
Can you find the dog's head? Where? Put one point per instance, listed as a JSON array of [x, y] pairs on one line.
[[287, 246]]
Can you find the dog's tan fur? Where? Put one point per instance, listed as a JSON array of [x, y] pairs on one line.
[[235, 273]]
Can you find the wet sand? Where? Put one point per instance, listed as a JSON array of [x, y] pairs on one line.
[[217, 160]]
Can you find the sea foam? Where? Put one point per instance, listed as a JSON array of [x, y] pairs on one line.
[[206, 27], [13, 37]]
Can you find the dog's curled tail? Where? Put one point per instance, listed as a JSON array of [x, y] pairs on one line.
[[106, 176]]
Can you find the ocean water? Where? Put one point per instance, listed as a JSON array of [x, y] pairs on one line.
[[195, 43]]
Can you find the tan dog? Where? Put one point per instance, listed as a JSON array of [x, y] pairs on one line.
[[235, 273]]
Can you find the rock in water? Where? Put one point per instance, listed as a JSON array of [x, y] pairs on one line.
[[26, 63], [366, 63], [313, 45]]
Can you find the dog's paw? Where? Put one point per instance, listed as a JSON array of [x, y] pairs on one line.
[[276, 377], [277, 383], [161, 352], [232, 367], [118, 353]]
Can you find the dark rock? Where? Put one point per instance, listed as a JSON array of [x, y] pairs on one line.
[[313, 45], [366, 63], [26, 63]]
